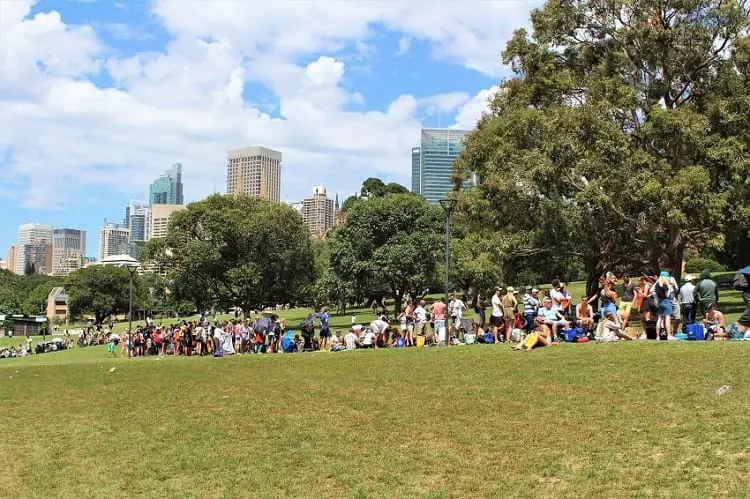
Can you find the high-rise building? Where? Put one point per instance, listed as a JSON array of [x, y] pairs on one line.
[[34, 248], [438, 149], [416, 178], [68, 251], [10, 259], [114, 239], [254, 171], [160, 214], [318, 211], [167, 189], [138, 220]]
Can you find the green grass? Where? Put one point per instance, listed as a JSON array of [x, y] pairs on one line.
[[476, 421], [626, 419]]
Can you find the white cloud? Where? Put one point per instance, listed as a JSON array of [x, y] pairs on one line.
[[472, 110], [403, 45], [186, 103]]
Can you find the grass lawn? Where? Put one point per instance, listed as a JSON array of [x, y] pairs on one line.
[[475, 421]]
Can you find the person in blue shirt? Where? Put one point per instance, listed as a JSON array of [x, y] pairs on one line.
[[325, 332], [552, 318]]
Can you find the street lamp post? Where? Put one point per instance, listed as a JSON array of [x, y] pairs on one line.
[[448, 206]]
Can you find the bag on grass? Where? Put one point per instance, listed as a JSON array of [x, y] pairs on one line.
[[488, 338], [696, 332]]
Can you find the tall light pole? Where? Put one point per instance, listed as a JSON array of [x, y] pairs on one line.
[[448, 206]]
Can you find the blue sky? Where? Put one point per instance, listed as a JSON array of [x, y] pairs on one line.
[[100, 97]]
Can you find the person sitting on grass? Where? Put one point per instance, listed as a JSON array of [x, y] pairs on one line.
[[585, 315], [552, 318], [368, 341], [337, 342], [612, 328], [715, 324], [539, 336], [351, 340]]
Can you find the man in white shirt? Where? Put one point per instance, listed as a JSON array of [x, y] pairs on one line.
[[369, 340], [379, 326], [420, 317], [687, 300], [351, 340], [556, 295], [457, 307], [496, 317]]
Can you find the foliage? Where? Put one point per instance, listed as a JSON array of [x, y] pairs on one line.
[[35, 302], [393, 241], [622, 139], [697, 265], [25, 293], [375, 188], [101, 290], [239, 251]]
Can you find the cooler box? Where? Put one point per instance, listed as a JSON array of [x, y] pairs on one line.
[[570, 334], [420, 341]]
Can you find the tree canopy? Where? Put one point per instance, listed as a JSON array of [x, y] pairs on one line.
[[622, 138], [392, 241], [239, 251], [101, 290]]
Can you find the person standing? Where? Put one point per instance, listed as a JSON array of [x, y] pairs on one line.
[[496, 316], [481, 309], [707, 292], [626, 300], [687, 301], [457, 307], [530, 308], [438, 316], [510, 303], [325, 332]]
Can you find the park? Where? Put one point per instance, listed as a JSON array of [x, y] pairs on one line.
[[618, 145]]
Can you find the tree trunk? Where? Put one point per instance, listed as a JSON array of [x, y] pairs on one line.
[[675, 253]]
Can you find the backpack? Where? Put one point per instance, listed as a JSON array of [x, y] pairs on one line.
[[662, 291], [488, 338], [740, 282]]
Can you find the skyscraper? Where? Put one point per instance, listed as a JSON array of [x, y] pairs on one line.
[[68, 251], [254, 171], [138, 220], [318, 212], [416, 178], [34, 248], [114, 239], [10, 258], [167, 189], [431, 173]]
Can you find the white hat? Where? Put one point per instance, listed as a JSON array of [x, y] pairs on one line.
[[689, 277]]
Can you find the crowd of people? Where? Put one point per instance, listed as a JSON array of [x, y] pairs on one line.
[[666, 310]]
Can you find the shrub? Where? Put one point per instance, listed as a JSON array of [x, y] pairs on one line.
[[697, 265]]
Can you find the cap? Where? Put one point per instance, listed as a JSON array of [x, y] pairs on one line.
[[746, 270], [689, 277], [528, 288], [498, 288], [534, 290], [664, 273]]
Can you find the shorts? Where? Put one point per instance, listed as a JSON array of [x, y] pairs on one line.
[[509, 313], [625, 308], [551, 323], [496, 321], [325, 333], [676, 312], [665, 308], [456, 319]]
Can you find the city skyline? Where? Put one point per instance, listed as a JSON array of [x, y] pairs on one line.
[[343, 100]]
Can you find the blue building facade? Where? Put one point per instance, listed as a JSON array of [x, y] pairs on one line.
[[167, 189], [432, 162]]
